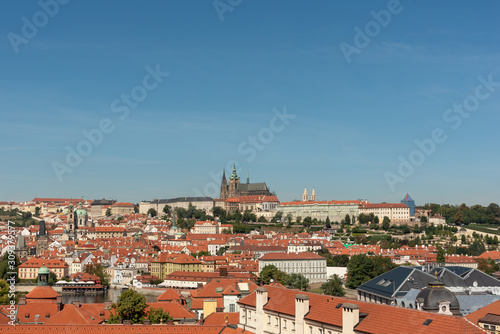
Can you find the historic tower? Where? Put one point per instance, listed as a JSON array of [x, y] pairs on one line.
[[305, 195], [42, 239], [223, 186], [234, 182], [313, 196]]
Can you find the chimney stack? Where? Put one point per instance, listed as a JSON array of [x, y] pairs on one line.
[[350, 317], [301, 309], [261, 299]]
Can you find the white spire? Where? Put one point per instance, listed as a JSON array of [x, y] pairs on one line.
[[305, 195], [313, 195]]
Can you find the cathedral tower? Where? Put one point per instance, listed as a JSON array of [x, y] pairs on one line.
[[234, 182], [313, 196], [305, 195], [223, 186]]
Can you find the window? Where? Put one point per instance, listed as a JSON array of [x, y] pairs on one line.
[[293, 325], [269, 319], [231, 308], [310, 330], [277, 322], [284, 324]]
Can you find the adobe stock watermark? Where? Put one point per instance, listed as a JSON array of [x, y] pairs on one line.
[[31, 26], [454, 117], [120, 106], [249, 149], [372, 28], [223, 6], [11, 273]]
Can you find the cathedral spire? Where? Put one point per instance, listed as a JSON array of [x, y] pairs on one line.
[[305, 195], [313, 195], [234, 176], [248, 177]]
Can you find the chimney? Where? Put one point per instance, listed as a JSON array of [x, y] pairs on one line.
[[22, 300], [261, 299], [350, 317], [301, 309], [146, 322], [127, 322], [58, 302]]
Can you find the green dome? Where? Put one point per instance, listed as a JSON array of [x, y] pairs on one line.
[[81, 212], [43, 270]]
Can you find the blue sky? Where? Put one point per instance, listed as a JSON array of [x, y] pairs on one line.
[[349, 122]]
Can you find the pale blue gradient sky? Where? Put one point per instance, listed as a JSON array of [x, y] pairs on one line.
[[353, 120]]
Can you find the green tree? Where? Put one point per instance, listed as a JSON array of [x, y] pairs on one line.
[[131, 306], [37, 211], [347, 219], [156, 248], [98, 270], [52, 278], [158, 315], [155, 281], [167, 210], [222, 250], [386, 223], [218, 211], [152, 212], [298, 220], [487, 266], [4, 292], [440, 256], [289, 219], [262, 219], [297, 281], [362, 268], [271, 272], [338, 261], [333, 286], [476, 248], [459, 218], [307, 222], [6, 267], [108, 212], [423, 219]]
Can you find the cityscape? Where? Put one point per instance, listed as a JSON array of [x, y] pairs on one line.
[[236, 167]]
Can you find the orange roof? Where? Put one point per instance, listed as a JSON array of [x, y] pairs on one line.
[[220, 318], [380, 318], [112, 329], [42, 292], [168, 295], [72, 314]]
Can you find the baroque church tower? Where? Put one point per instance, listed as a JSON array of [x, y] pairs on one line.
[[305, 195], [234, 182]]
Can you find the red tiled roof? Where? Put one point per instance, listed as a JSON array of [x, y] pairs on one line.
[[220, 318], [42, 292], [73, 315], [380, 318], [168, 295], [111, 329]]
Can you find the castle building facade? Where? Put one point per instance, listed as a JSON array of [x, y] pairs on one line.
[[233, 188]]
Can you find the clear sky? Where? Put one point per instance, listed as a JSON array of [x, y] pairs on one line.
[[325, 94]]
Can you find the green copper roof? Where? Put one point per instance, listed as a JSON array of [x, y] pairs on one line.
[[81, 212], [43, 270]]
